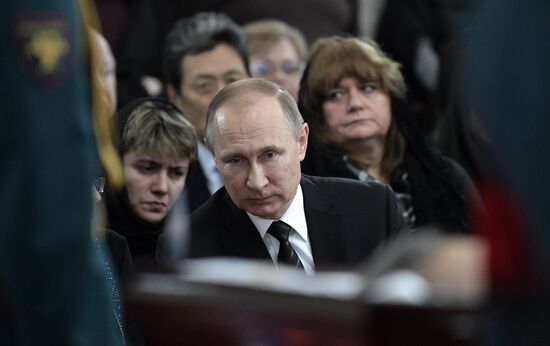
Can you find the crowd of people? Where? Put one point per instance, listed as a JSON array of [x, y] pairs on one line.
[[304, 150], [308, 157]]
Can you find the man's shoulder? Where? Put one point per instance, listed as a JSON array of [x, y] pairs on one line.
[[343, 184], [211, 205], [343, 193], [214, 213]]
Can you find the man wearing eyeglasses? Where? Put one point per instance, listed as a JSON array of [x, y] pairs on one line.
[[202, 54]]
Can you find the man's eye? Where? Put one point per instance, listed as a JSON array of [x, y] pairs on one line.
[[233, 78], [235, 160], [204, 87], [270, 155]]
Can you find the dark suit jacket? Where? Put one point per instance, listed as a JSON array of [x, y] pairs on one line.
[[346, 221], [196, 186]]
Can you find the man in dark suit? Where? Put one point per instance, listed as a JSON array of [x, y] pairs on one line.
[[202, 54], [258, 139]]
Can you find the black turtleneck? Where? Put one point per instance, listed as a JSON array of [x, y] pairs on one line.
[[141, 235]]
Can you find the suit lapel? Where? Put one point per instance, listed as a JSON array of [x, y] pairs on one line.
[[324, 227], [241, 238]]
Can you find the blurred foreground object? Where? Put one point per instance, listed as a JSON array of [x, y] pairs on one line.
[[510, 89], [240, 302], [53, 288], [431, 269]]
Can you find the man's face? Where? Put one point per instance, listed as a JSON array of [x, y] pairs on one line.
[[106, 71], [205, 74], [154, 183], [258, 156]]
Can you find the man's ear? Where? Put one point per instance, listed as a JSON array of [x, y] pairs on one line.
[[302, 141], [172, 93]]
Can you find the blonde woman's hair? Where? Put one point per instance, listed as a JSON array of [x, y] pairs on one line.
[[262, 34], [155, 127]]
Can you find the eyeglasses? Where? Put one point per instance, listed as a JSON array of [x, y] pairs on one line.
[[260, 68]]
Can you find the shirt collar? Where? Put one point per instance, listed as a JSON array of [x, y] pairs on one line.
[[205, 157], [294, 216], [206, 160]]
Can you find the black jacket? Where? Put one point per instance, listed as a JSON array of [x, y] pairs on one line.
[[438, 187], [346, 221]]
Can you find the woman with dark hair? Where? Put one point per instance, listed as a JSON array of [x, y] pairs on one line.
[[156, 144], [353, 97]]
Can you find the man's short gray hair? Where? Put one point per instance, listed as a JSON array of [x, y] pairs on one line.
[[246, 91]]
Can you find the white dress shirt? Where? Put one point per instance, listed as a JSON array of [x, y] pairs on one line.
[[296, 218], [213, 177]]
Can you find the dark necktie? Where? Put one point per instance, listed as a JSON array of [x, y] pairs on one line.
[[281, 231]]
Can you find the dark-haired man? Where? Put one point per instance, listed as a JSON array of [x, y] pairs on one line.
[[202, 55]]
